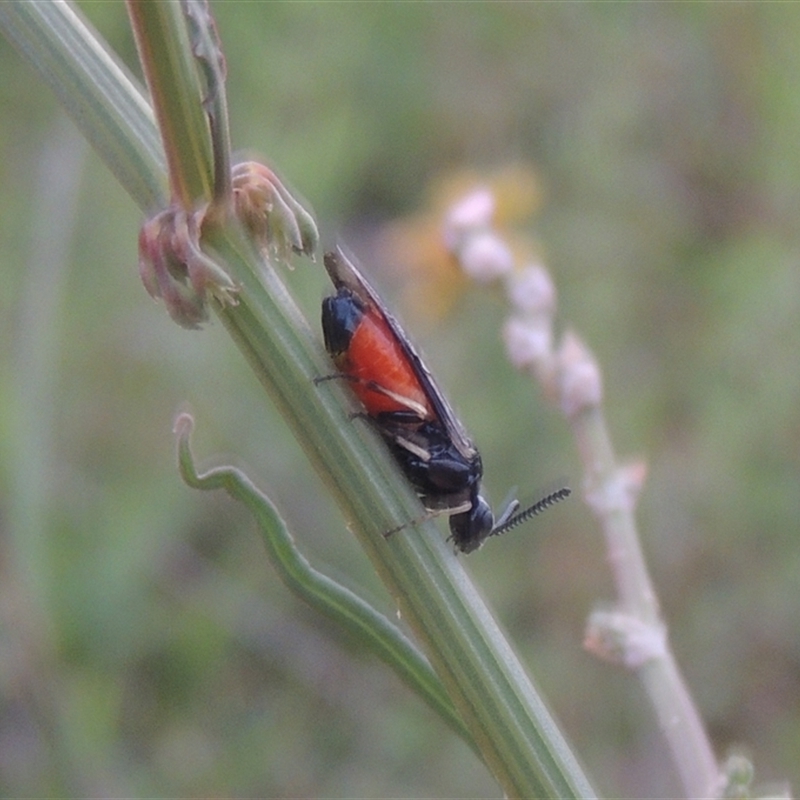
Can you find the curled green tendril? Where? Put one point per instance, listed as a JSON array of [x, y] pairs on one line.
[[383, 637]]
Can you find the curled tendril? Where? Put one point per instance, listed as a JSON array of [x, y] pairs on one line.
[[381, 635]]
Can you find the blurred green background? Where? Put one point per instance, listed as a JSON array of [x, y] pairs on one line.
[[147, 648]]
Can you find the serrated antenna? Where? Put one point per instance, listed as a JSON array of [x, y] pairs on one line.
[[541, 505]]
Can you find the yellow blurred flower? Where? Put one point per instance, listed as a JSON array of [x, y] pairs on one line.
[[414, 248]]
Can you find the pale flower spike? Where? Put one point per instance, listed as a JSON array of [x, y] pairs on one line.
[[631, 632]]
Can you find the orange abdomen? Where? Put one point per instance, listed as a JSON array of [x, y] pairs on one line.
[[377, 361]]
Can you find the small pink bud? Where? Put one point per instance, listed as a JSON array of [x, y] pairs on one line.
[[736, 780], [485, 257], [532, 290], [472, 212], [620, 492], [580, 384], [528, 340], [624, 639]]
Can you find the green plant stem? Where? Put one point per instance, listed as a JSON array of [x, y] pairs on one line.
[[519, 740], [166, 57]]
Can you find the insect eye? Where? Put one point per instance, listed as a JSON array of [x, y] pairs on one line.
[[470, 529]]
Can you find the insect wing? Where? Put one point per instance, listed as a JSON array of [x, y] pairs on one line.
[[367, 352], [343, 273]]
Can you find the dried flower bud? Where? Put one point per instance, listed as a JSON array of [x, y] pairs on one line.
[[174, 268], [270, 212]]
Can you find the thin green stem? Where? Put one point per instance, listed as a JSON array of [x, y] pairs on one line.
[[171, 72], [211, 61]]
